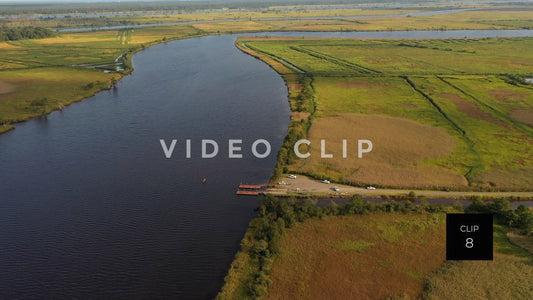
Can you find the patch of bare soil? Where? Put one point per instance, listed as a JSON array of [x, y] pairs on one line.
[[471, 109]]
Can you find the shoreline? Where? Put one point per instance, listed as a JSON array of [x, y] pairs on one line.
[[119, 76]]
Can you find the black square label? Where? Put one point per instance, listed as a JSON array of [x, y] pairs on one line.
[[469, 236]]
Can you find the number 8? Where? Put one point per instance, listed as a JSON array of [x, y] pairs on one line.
[[469, 243]]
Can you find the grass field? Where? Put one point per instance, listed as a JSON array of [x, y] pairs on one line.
[[391, 255], [38, 91], [472, 111], [358, 257], [508, 276]]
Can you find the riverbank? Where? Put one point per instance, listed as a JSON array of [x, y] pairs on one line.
[[69, 68]]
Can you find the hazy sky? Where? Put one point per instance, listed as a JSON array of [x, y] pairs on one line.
[[55, 1]]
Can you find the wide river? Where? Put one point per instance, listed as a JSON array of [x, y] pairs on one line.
[[91, 208]]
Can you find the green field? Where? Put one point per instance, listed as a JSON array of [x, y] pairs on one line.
[[41, 75], [468, 96]]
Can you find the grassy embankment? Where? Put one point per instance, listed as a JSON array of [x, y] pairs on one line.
[[295, 250], [42, 75], [442, 114]]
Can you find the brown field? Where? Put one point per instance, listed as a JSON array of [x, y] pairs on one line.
[[523, 115], [511, 180], [358, 257], [400, 148], [471, 109], [506, 277], [506, 95]]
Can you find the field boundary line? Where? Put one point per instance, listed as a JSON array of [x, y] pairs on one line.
[[501, 115], [337, 61]]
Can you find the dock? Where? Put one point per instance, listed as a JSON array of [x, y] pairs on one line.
[[250, 187], [248, 193]]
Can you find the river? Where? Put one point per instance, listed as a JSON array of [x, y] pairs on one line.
[[90, 206]]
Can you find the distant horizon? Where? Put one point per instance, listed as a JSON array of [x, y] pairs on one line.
[[100, 1], [230, 1]]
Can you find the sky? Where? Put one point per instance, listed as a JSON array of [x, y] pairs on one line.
[[83, 1]]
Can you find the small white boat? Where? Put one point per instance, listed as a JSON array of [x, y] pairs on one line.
[[336, 189], [326, 181], [292, 176]]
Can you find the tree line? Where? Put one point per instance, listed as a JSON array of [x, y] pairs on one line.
[[520, 218], [147, 6], [22, 33]]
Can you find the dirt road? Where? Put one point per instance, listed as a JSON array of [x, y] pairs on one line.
[[305, 185]]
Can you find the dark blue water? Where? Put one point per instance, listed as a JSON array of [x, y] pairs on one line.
[[91, 208]]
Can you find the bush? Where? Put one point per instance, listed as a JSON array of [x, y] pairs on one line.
[[521, 217], [22, 33]]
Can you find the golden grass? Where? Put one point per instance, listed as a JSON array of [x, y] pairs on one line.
[[515, 179], [505, 277], [395, 255], [84, 37], [358, 257], [400, 148], [508, 276], [8, 45]]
